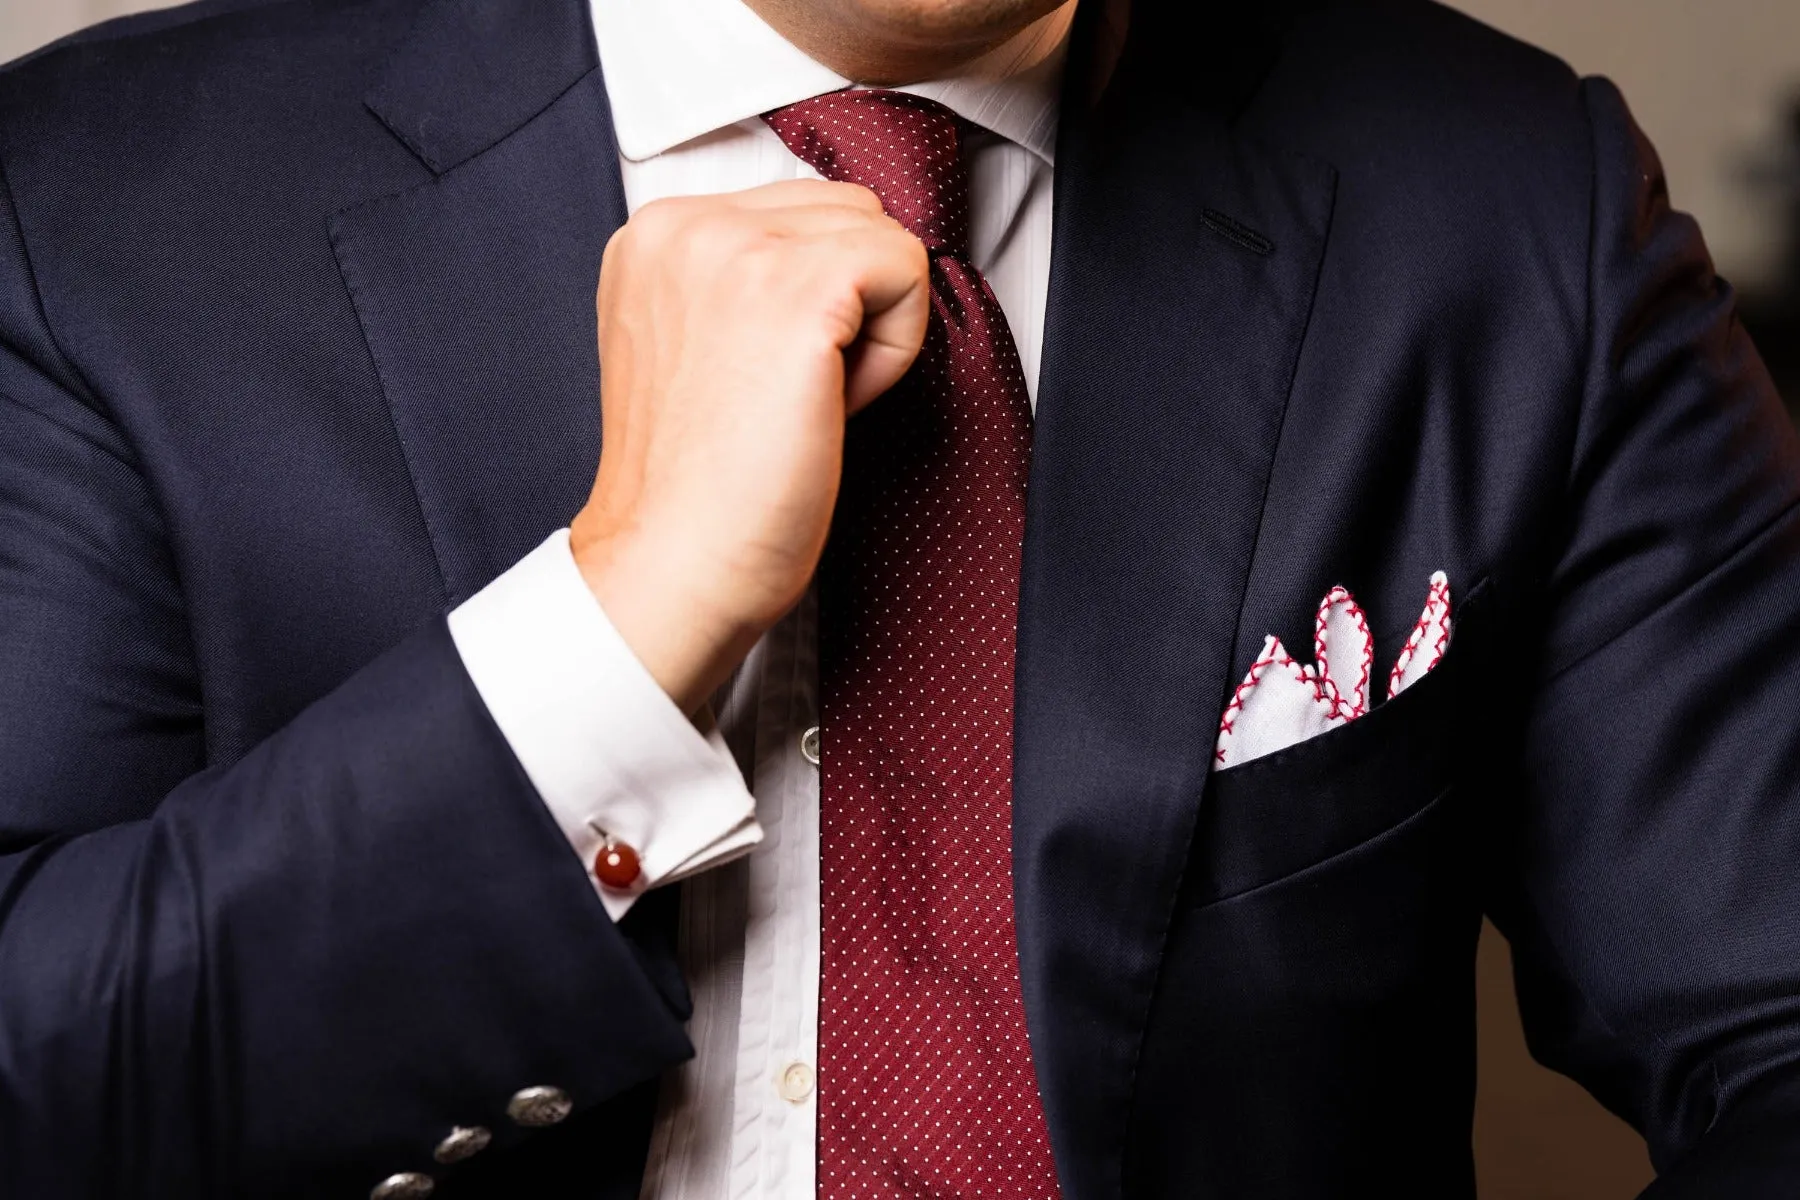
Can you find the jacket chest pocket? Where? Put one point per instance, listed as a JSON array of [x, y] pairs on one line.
[[1312, 1032], [1299, 808]]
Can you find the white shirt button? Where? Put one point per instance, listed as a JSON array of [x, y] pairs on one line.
[[795, 1083], [809, 745]]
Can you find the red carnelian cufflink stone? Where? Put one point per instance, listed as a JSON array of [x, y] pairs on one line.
[[616, 866]]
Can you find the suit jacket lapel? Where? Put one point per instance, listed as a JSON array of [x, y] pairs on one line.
[[476, 288], [1184, 264]]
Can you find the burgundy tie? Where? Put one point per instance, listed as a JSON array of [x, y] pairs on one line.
[[926, 1085]]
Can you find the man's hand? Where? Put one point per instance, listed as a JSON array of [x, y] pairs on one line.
[[737, 334]]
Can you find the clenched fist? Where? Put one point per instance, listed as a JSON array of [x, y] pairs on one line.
[[737, 334]]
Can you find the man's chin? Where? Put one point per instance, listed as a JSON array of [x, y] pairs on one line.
[[938, 21], [895, 42]]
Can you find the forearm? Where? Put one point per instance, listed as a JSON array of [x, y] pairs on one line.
[[310, 964]]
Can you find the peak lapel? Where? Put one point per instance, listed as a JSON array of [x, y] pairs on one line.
[[1184, 265], [476, 288]]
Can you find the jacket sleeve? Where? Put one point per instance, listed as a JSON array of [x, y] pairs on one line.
[[1651, 888], [287, 975]]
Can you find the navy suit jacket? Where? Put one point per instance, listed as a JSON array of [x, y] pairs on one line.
[[297, 350]]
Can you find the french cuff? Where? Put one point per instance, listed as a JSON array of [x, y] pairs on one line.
[[603, 744]]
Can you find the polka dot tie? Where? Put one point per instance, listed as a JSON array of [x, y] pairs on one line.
[[926, 1086]]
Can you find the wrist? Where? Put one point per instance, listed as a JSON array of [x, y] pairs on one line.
[[686, 644]]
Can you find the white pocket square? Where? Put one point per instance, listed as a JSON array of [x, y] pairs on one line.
[[1283, 702]]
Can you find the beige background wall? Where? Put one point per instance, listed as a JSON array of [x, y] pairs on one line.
[[26, 24], [1710, 80]]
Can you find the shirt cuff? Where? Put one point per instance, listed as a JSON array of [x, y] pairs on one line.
[[604, 745]]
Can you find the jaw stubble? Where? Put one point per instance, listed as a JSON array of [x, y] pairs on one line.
[[900, 41]]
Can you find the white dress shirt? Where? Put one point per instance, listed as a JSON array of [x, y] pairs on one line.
[[731, 803]]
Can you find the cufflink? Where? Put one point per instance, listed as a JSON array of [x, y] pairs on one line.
[[616, 865]]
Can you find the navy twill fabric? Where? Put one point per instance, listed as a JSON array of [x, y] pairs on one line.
[[297, 350]]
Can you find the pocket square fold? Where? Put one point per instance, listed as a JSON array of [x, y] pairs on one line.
[[1283, 701]]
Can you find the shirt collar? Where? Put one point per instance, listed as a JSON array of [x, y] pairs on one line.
[[677, 70]]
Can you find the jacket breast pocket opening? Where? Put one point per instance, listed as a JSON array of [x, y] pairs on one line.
[[1278, 815]]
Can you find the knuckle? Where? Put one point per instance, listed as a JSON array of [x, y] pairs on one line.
[[615, 264], [851, 195], [609, 261], [863, 196], [763, 264], [659, 218], [715, 237], [911, 252]]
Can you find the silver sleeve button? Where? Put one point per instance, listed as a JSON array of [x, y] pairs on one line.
[[408, 1185], [464, 1141], [536, 1107], [809, 745]]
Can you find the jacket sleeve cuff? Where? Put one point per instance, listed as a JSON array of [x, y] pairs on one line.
[[603, 744]]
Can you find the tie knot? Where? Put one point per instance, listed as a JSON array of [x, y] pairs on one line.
[[904, 148]]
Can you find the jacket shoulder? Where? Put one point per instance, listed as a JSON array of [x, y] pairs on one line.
[[171, 84], [138, 25], [1465, 158], [1413, 87], [234, 125]]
